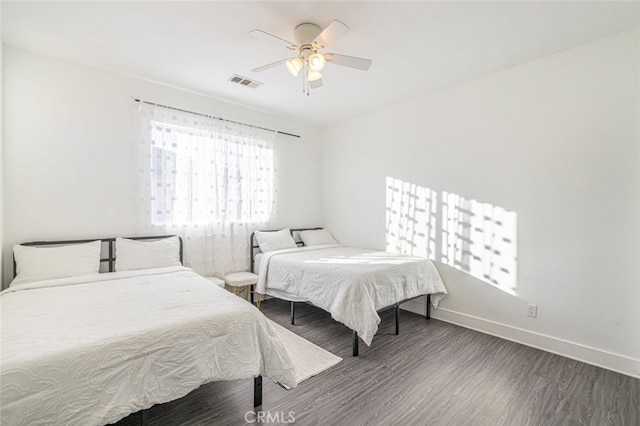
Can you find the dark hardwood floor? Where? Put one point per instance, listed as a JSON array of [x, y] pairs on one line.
[[433, 373]]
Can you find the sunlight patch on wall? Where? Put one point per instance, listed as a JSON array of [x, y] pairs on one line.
[[411, 215], [477, 238]]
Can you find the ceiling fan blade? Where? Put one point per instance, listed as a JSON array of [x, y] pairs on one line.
[[269, 66], [334, 30], [315, 83], [348, 61], [273, 39]]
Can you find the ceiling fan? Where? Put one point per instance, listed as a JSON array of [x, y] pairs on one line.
[[309, 61]]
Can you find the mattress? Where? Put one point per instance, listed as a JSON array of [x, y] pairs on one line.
[[91, 350], [350, 283]]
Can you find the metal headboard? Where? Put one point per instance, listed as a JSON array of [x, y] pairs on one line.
[[111, 256], [254, 244]]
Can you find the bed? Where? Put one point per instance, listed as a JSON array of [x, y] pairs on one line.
[[91, 349], [353, 284]]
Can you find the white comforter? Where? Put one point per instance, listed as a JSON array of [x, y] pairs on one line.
[[91, 350], [350, 283]]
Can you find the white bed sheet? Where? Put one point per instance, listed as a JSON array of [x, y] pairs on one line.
[[350, 283], [91, 350]]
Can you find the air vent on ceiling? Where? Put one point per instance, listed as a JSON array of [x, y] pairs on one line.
[[244, 81]]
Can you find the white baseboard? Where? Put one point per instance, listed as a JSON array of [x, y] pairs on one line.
[[598, 357]]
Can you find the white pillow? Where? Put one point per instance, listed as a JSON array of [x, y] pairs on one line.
[[137, 254], [47, 263], [275, 240], [314, 237]]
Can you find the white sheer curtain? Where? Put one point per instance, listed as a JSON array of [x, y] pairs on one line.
[[208, 180]]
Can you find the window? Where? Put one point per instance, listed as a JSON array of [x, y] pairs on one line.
[[207, 171]]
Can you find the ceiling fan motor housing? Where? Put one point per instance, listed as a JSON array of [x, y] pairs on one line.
[[306, 33]]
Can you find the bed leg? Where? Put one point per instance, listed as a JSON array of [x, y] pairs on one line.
[[428, 314], [144, 417], [397, 319], [355, 343], [257, 391], [293, 313]]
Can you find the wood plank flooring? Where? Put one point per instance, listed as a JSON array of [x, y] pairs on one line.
[[433, 374]]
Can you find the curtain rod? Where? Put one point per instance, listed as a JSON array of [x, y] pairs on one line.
[[217, 118]]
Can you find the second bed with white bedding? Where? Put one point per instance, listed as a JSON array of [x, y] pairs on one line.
[[350, 283]]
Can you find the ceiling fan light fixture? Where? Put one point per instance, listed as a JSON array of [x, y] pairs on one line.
[[314, 75], [294, 65], [316, 62]]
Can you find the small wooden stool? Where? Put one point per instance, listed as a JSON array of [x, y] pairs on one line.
[[242, 284]]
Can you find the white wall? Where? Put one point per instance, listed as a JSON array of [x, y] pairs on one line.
[[557, 141], [69, 135], [1, 157]]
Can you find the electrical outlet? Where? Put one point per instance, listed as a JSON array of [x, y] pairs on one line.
[[532, 311]]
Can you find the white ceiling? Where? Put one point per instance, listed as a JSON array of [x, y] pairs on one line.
[[416, 47]]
